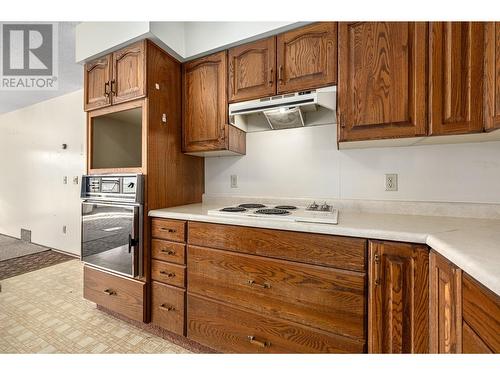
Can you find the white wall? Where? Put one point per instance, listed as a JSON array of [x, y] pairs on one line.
[[32, 166], [304, 162]]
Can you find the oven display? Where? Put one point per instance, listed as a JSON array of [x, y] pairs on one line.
[[110, 185]]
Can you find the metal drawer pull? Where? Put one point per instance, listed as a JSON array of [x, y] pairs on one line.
[[169, 230], [262, 344], [166, 307], [106, 89], [168, 252], [168, 274], [264, 285], [109, 292], [377, 271]]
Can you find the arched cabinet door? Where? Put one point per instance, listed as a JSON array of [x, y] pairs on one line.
[[129, 73], [97, 78]]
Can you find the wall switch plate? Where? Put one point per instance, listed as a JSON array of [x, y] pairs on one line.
[[391, 182], [234, 181]]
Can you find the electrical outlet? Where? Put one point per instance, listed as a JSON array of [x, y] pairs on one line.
[[234, 181], [65, 180], [64, 229], [75, 180], [391, 182]]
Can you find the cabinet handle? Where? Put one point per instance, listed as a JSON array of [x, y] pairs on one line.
[[169, 230], [106, 89], [113, 88], [168, 274], [280, 73], [109, 292], [262, 344], [263, 286], [271, 78], [168, 252], [377, 271], [166, 307]]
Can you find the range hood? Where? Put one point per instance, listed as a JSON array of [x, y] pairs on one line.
[[305, 108]]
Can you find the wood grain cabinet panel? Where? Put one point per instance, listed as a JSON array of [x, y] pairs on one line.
[[307, 57], [472, 343], [398, 307], [129, 73], [166, 229], [445, 295], [252, 70], [382, 80], [492, 76], [330, 299], [97, 83], [456, 53], [167, 307], [230, 329]]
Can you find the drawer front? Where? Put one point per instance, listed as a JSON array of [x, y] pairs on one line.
[[234, 330], [168, 273], [167, 307], [167, 251], [481, 311], [340, 252], [119, 294], [329, 299], [172, 230]]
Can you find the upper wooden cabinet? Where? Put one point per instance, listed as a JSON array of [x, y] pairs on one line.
[[382, 80], [307, 57], [129, 73], [456, 53], [205, 121], [492, 76], [252, 70], [116, 78], [97, 77], [398, 306]]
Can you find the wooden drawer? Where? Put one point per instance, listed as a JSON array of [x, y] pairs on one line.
[[172, 230], [174, 252], [481, 311], [234, 330], [119, 294], [167, 307], [340, 252], [331, 299], [168, 273]]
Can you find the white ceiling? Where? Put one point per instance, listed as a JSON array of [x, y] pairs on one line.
[[70, 75]]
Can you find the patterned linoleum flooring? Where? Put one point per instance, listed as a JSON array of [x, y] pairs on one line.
[[44, 312]]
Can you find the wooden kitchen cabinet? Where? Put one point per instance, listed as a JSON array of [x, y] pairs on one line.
[[492, 76], [97, 87], [307, 57], [398, 298], [456, 54], [445, 301], [382, 80], [205, 108], [252, 70]]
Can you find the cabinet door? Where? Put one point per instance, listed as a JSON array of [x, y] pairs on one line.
[[307, 57], [97, 83], [398, 306], [382, 80], [456, 77], [492, 76], [129, 73], [205, 103], [445, 306], [252, 70]]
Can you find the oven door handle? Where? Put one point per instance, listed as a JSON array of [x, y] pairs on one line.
[[132, 242]]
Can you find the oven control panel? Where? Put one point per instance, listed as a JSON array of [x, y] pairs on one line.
[[113, 187]]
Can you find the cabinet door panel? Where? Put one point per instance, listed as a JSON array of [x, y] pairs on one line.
[[398, 312], [382, 73], [456, 77], [492, 76], [205, 103], [97, 83], [129, 73], [307, 57], [252, 70]]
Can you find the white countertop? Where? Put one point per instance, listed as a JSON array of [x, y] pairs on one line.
[[471, 244]]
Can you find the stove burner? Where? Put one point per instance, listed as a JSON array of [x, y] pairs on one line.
[[252, 205], [272, 211], [233, 209], [286, 207]]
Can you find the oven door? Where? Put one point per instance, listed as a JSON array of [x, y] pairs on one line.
[[111, 237]]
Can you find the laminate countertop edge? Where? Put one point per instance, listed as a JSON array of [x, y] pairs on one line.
[[471, 244]]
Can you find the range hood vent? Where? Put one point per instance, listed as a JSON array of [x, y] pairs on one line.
[[305, 108]]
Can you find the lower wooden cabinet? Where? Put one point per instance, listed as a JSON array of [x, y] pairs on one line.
[[119, 294], [231, 329], [167, 307], [398, 306]]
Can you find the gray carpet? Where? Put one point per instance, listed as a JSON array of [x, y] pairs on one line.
[[14, 248]]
